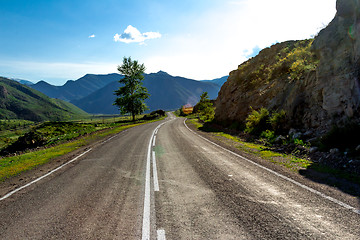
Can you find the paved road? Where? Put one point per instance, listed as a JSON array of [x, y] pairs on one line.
[[164, 181]]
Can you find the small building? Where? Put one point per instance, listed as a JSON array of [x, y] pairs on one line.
[[187, 109]]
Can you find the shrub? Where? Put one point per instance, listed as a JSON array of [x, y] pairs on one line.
[[278, 122], [257, 122], [268, 135], [300, 142], [302, 60], [207, 114]]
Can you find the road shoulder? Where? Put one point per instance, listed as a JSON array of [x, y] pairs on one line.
[[14, 182], [337, 193]]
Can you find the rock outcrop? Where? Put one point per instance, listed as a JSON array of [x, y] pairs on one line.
[[324, 91], [337, 80]]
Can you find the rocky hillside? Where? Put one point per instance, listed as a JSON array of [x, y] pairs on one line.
[[18, 101], [315, 81]]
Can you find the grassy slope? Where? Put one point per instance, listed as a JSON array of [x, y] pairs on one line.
[[289, 60], [18, 101], [14, 165]]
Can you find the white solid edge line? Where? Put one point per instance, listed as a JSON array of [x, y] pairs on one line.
[[146, 213], [154, 140], [161, 234], [347, 206], [155, 176], [44, 176]]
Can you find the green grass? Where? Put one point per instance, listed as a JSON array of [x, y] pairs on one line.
[[10, 130], [292, 162], [56, 132], [105, 119], [12, 166], [22, 102], [289, 161]]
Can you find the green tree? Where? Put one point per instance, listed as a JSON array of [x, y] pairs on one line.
[[132, 94], [205, 108]]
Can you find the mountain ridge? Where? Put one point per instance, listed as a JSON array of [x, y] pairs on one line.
[[167, 93], [94, 93], [76, 89]]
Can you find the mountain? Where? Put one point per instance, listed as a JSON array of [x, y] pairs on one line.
[[80, 88], [167, 93], [22, 81], [315, 81], [18, 101], [218, 81]]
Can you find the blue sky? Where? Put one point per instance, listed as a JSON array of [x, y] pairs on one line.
[[58, 40]]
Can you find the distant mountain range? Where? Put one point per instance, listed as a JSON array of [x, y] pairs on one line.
[[95, 93], [78, 89], [18, 101], [218, 81], [22, 81]]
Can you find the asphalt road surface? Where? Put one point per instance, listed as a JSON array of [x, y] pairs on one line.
[[163, 181]]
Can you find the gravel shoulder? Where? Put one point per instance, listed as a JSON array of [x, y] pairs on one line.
[[319, 181]]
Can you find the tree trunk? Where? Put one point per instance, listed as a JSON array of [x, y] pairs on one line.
[[133, 116]]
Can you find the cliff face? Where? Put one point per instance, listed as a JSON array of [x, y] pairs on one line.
[[316, 83], [338, 47]]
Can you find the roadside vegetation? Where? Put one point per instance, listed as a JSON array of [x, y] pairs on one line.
[[291, 153], [266, 134], [43, 142], [10, 130], [292, 62], [203, 110]]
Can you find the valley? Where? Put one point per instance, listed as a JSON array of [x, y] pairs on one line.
[[95, 93], [164, 179], [271, 151]]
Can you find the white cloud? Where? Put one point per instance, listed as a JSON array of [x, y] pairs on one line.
[[132, 34], [92, 36]]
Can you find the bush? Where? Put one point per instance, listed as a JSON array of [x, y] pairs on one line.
[[278, 122], [268, 135], [207, 114], [300, 142], [159, 112], [151, 116], [257, 122]]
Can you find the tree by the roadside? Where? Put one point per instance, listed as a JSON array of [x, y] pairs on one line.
[[205, 108], [132, 94]]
